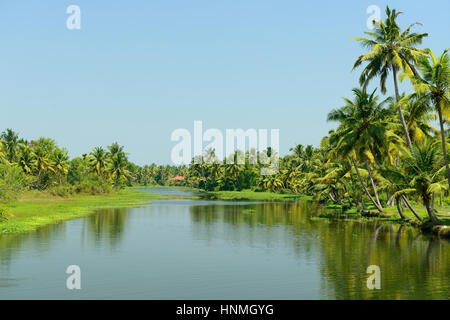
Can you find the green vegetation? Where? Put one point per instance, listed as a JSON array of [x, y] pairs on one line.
[[38, 208], [254, 196], [385, 158]]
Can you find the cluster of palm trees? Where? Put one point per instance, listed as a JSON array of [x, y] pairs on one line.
[[41, 159], [384, 151], [43, 164], [153, 174], [110, 165]]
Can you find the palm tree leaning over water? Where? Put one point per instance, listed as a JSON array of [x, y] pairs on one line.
[[422, 167], [434, 86], [362, 133], [391, 51]]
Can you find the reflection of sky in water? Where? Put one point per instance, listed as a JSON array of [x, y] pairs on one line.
[[198, 249]]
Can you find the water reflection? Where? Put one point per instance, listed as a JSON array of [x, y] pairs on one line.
[[105, 228], [217, 249], [413, 266]]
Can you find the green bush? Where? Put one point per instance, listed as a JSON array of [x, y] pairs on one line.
[[62, 191], [13, 181], [93, 187], [4, 215]]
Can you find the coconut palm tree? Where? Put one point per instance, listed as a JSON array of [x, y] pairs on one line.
[[362, 133], [26, 159], [435, 85], [392, 50], [422, 166], [10, 144], [272, 183], [60, 163], [2, 154], [298, 151], [99, 161], [85, 157], [418, 115], [42, 163], [117, 168], [115, 149], [235, 169]]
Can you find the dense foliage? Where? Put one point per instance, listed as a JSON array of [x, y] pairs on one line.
[[384, 152]]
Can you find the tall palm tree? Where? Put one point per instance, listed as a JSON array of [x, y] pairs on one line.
[[99, 161], [117, 168], [435, 85], [362, 133], [26, 159], [42, 163], [10, 142], [418, 116], [115, 149], [391, 51], [234, 169], [298, 152], [85, 157], [60, 163]]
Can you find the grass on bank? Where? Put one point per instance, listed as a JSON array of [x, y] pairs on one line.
[[254, 196], [391, 215], [35, 209]]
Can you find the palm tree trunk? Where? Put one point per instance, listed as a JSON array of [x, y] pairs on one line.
[[364, 186], [348, 196], [400, 209], [400, 113], [331, 197], [390, 202], [418, 216], [363, 203], [432, 201], [373, 183], [444, 148], [433, 218]]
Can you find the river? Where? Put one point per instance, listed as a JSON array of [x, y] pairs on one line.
[[206, 249]]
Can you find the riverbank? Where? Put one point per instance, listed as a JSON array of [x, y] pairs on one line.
[[35, 209], [253, 196], [333, 211]]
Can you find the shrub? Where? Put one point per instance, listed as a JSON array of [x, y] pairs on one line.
[[13, 181], [4, 215], [93, 187], [62, 190]]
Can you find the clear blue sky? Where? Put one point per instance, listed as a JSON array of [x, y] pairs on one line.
[[137, 70]]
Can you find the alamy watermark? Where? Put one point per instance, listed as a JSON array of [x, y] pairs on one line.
[[73, 281], [234, 147], [73, 22], [374, 280], [374, 18]]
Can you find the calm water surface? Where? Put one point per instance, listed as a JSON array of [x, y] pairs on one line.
[[198, 249]]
